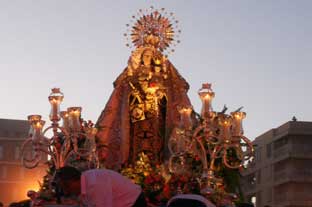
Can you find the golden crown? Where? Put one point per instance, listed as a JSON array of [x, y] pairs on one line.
[[153, 27]]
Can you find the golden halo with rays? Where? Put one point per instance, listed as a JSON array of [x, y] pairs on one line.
[[157, 28]]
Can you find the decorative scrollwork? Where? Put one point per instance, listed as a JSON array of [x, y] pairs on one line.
[[217, 138], [75, 138]]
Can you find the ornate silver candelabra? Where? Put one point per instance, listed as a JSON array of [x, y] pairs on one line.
[[75, 138], [212, 136]]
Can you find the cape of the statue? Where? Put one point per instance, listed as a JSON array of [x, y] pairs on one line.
[[114, 122]]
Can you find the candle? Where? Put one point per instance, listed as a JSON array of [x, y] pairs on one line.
[[238, 117], [74, 118], [225, 122], [206, 95], [206, 107], [65, 118], [55, 99], [54, 109], [32, 118], [37, 130], [185, 117]]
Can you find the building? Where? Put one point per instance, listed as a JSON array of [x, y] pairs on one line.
[[281, 173], [15, 180]]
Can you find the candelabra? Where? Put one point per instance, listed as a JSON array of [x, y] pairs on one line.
[[74, 139], [213, 137]]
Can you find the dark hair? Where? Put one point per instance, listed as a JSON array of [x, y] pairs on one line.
[[68, 173], [186, 203]]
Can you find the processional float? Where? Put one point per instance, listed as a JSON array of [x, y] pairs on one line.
[[148, 129]]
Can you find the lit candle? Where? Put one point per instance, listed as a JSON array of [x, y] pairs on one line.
[[33, 118], [74, 118], [206, 95], [185, 117], [55, 99], [65, 118], [225, 122], [37, 130], [238, 117], [54, 109]]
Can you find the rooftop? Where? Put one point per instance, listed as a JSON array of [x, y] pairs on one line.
[[291, 127]]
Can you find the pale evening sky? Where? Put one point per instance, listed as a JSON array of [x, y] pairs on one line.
[[256, 54]]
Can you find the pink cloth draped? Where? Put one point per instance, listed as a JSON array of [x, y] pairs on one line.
[[106, 188]]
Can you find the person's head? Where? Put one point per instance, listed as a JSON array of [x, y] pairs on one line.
[[186, 203], [68, 178], [147, 57]]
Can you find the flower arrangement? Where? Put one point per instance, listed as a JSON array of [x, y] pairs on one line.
[[157, 183]]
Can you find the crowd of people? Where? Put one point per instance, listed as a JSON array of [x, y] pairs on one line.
[[107, 188]]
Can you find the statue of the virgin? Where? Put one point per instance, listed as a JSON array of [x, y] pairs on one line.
[[142, 110]]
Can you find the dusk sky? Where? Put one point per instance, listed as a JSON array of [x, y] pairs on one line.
[[256, 54]]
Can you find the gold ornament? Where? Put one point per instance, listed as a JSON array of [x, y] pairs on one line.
[[155, 29]]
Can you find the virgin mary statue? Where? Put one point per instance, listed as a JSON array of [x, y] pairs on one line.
[[142, 109]]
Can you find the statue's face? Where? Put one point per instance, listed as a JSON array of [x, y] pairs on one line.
[[157, 69], [147, 57]]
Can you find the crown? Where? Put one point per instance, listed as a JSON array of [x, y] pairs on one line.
[[154, 28]]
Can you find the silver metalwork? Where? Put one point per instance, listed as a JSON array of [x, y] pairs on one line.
[[75, 138], [210, 136]]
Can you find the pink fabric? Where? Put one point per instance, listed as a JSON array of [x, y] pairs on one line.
[[107, 188]]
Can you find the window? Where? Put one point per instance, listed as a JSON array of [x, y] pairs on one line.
[[17, 153], [1, 152], [269, 150], [269, 172], [280, 142], [259, 177]]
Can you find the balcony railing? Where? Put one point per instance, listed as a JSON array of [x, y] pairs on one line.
[[282, 152], [301, 151], [304, 176], [287, 175]]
